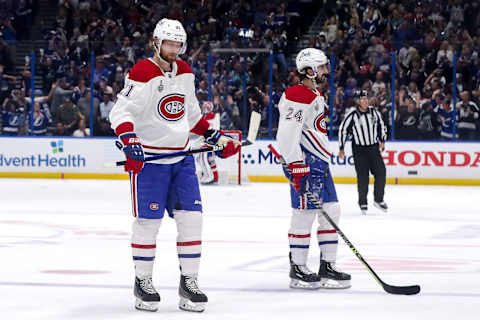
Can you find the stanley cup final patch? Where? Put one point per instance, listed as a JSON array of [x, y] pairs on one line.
[[172, 107]]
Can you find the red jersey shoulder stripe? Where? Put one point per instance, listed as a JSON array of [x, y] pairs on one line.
[[144, 71], [300, 94], [183, 67]]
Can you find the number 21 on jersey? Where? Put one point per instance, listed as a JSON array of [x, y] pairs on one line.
[[291, 114], [127, 90]]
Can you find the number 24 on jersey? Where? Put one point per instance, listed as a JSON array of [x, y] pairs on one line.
[[291, 114]]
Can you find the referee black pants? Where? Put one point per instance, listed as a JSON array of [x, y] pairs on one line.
[[369, 159]]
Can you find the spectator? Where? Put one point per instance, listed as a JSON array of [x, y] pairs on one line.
[[407, 119], [107, 104], [60, 94], [9, 33], [468, 117], [427, 123], [82, 130], [40, 120], [102, 123], [362, 35], [379, 83], [11, 118], [84, 107], [60, 129], [6, 58], [6, 84], [48, 71], [445, 112], [68, 115]]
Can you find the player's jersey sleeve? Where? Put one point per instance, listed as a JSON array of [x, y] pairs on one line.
[[290, 125], [382, 134], [130, 102]]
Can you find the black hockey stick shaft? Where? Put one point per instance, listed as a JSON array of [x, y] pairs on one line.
[[182, 153], [406, 290], [255, 119]]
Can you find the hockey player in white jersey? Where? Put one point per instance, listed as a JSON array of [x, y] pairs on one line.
[[154, 114], [303, 143]]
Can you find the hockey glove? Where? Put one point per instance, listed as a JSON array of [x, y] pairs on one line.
[[217, 137], [232, 147], [133, 152], [299, 176]]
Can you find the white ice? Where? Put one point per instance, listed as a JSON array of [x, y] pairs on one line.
[[65, 254]]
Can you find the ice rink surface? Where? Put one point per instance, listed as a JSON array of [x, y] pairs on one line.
[[65, 254]]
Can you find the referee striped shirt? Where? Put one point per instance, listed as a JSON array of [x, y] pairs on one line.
[[364, 128]]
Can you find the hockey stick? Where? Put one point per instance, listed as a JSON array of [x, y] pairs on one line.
[[406, 290], [255, 119]]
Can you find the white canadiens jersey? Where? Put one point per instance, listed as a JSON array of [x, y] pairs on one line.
[[302, 124], [163, 108]]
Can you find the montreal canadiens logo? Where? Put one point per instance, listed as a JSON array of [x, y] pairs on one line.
[[320, 124], [172, 107]]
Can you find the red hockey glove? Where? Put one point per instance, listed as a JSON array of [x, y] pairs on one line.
[[299, 176], [232, 147], [133, 152], [217, 137]]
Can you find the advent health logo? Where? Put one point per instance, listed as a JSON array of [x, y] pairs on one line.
[[55, 156]]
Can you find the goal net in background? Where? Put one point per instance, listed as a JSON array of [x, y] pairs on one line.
[[231, 170]]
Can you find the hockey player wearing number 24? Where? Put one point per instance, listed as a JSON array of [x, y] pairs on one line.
[[303, 142], [154, 114]]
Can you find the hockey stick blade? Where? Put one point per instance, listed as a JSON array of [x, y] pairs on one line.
[[255, 119], [405, 290]]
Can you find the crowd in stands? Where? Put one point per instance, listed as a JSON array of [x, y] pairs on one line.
[[362, 35], [424, 35]]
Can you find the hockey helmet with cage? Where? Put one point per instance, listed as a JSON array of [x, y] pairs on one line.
[[168, 29], [310, 58]]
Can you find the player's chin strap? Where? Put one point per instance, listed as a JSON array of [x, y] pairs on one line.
[[316, 78], [158, 52]]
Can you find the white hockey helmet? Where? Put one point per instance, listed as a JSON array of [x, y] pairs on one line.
[[167, 29], [310, 58]]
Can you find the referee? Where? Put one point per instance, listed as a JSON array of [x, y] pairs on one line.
[[368, 132]]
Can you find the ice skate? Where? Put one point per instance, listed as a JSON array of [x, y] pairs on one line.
[[147, 298], [331, 277], [364, 209], [303, 278], [191, 297], [381, 205]]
